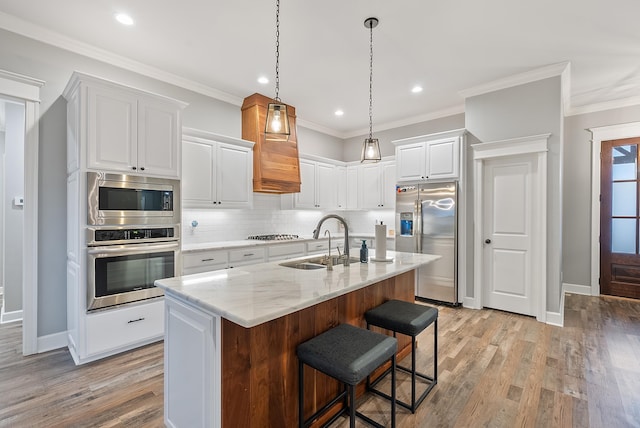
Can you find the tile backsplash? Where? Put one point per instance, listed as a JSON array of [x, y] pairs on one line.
[[267, 217]]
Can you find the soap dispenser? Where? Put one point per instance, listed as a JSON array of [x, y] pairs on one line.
[[364, 252]]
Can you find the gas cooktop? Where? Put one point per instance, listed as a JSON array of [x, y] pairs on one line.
[[275, 237]]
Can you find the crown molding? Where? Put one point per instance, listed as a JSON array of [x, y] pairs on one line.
[[605, 105], [36, 32], [408, 121], [517, 79]]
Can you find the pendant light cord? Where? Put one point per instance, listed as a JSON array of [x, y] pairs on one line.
[[277, 98], [370, 81]]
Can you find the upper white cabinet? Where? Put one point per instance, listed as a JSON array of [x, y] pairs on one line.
[[378, 185], [124, 129], [429, 157], [317, 187], [216, 171], [341, 187], [353, 173]]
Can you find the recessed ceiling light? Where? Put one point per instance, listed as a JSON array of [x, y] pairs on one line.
[[263, 80], [124, 19], [339, 113], [416, 89]]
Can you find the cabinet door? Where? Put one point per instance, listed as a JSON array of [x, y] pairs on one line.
[[352, 188], [370, 185], [388, 185], [326, 197], [443, 158], [158, 138], [234, 171], [410, 161], [307, 196], [341, 187], [112, 130], [197, 174]]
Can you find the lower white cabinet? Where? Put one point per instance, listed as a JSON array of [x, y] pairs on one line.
[[319, 246], [204, 261], [192, 366], [285, 251], [246, 256], [121, 328]]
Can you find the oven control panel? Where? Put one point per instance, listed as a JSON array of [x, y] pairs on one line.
[[120, 235]]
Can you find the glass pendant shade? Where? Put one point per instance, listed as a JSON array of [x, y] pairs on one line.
[[277, 123], [370, 150]]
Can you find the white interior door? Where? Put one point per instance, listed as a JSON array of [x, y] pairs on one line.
[[509, 198]]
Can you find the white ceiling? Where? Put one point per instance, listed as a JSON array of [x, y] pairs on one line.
[[446, 47]]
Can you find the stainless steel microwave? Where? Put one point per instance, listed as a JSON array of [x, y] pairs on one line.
[[120, 199]]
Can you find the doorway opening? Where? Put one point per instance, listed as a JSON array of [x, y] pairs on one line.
[[12, 138]]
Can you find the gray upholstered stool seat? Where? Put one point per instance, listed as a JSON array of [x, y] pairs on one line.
[[348, 354], [409, 319]]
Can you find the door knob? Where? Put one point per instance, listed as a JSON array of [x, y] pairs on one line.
[[487, 241]]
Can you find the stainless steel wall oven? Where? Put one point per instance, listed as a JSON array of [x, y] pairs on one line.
[[124, 262]]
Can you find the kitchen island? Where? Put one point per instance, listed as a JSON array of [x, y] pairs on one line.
[[231, 336]]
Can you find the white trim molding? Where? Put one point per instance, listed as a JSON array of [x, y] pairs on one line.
[[27, 90], [7, 317], [598, 135], [584, 290], [533, 145], [562, 69], [52, 341]]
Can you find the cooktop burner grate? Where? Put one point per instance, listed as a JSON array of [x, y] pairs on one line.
[[274, 237]]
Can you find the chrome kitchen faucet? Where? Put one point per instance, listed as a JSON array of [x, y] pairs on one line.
[[316, 234]]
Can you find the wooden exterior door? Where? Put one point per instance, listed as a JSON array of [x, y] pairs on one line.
[[620, 218]]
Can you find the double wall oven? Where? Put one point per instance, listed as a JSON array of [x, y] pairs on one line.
[[133, 237]]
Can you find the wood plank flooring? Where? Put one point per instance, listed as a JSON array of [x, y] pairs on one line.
[[496, 369]]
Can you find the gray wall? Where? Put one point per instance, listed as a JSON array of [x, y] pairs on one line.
[[54, 66], [353, 146], [13, 214], [576, 233], [316, 143], [525, 110]]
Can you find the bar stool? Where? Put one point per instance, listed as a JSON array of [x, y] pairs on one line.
[[348, 354], [409, 319]]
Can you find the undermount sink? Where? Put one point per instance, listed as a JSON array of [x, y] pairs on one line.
[[316, 262]]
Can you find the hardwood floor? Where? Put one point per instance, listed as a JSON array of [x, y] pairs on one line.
[[495, 369]]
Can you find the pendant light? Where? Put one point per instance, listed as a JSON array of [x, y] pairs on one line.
[[277, 122], [370, 147]]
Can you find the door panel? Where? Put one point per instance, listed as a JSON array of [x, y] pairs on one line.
[[507, 206], [619, 218]]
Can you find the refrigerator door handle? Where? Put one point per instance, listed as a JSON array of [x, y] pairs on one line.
[[418, 230]]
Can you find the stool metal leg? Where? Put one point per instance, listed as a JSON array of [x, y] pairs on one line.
[[435, 351], [300, 394], [393, 391], [352, 406]]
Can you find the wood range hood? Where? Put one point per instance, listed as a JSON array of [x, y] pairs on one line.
[[276, 167]]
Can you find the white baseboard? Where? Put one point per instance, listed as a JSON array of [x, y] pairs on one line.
[[470, 302], [557, 318], [1, 291], [6, 317], [576, 289], [52, 341]]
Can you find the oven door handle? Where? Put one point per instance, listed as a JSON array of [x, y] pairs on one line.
[[134, 248]]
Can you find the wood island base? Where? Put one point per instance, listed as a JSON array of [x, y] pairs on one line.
[[259, 364]]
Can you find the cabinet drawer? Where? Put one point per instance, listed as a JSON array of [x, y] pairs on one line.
[[201, 259], [319, 246], [120, 328], [247, 254], [283, 251]]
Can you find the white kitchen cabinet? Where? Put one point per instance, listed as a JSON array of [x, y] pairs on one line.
[[351, 185], [321, 246], [127, 130], [285, 251], [377, 185], [341, 187], [429, 157], [246, 256], [204, 261], [317, 187], [216, 171], [193, 366]]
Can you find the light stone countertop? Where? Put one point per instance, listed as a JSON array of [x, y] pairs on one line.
[[255, 294]]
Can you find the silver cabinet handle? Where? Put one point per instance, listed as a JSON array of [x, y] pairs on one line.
[[208, 260], [248, 254], [132, 321]]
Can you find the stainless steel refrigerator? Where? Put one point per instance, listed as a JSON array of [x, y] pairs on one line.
[[426, 222]]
